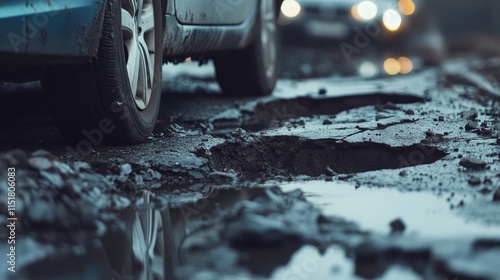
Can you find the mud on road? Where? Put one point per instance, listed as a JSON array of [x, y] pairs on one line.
[[391, 178]]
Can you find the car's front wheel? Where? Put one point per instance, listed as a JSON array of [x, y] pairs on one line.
[[253, 70], [115, 98]]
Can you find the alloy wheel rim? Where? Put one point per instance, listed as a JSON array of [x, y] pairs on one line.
[[268, 36], [138, 29], [147, 243]]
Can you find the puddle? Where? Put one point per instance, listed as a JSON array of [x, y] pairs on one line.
[[308, 264], [231, 231], [424, 214], [287, 155], [436, 243]]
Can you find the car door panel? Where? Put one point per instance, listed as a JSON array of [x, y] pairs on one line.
[[182, 40], [213, 12]]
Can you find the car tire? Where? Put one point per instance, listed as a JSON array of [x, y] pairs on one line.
[[252, 71], [114, 98]]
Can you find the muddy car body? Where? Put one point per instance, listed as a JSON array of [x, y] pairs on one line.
[[101, 61]]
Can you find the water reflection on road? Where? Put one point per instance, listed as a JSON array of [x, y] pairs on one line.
[[424, 214]]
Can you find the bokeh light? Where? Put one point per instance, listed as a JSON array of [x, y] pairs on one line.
[[367, 10], [392, 66], [291, 8], [406, 65], [407, 7], [368, 69], [392, 20], [354, 12]]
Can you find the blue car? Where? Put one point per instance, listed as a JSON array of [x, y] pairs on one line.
[[100, 61]]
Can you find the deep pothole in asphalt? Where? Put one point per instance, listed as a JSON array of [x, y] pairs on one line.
[[290, 155], [266, 114]]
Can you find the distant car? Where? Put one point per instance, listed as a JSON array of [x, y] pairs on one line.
[[337, 20], [101, 60]]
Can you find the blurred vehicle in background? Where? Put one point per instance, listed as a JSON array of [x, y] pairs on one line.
[[368, 38], [337, 20]]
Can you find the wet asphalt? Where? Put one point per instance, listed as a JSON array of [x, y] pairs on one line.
[[333, 177]]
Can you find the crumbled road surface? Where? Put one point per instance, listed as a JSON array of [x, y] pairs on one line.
[[330, 178]]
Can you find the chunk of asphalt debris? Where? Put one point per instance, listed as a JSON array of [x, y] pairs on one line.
[[486, 131], [487, 181], [53, 179], [256, 223], [470, 115], [496, 195], [327, 122], [63, 168], [471, 125], [125, 169], [472, 163], [474, 181], [410, 112], [485, 191], [41, 163], [42, 153], [397, 226], [17, 158]]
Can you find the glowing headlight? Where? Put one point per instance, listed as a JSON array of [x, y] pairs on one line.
[[402, 65], [291, 8], [365, 10], [392, 20]]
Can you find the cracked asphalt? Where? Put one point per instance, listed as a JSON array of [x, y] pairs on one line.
[[331, 177]]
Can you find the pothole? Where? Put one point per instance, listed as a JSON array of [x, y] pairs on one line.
[[288, 155], [266, 114]]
